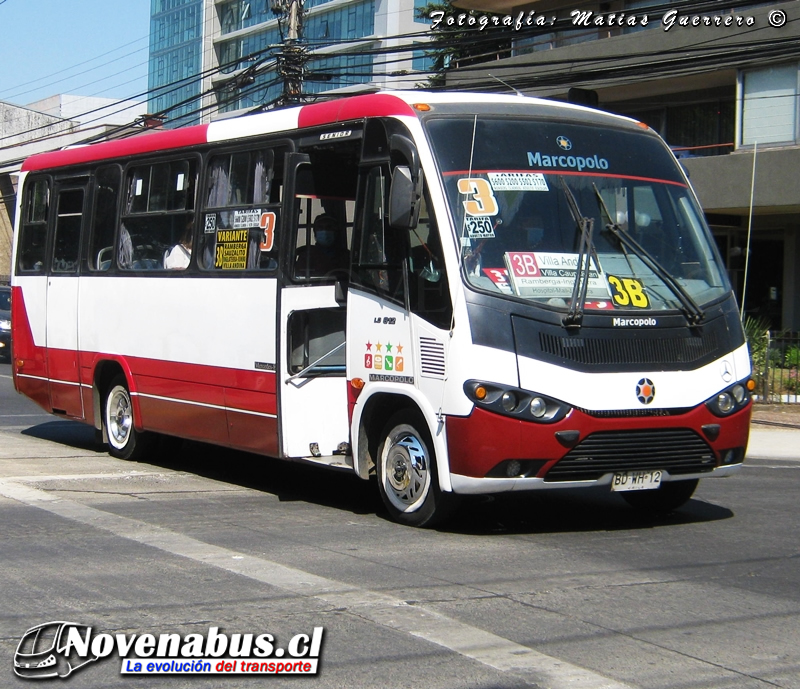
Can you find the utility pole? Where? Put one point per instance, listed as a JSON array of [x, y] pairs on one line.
[[293, 55]]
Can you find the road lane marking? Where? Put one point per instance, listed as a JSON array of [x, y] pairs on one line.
[[425, 623]]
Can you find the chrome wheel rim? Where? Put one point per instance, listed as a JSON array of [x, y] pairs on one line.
[[119, 417], [406, 475]]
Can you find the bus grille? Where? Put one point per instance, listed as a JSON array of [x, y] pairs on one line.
[[627, 413], [676, 450], [639, 351]]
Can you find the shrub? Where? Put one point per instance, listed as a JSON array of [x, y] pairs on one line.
[[792, 357]]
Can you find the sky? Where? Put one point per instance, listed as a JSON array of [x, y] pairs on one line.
[[79, 47]]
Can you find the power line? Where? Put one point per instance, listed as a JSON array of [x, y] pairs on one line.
[[67, 69], [336, 72]]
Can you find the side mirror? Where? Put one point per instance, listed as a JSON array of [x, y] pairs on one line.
[[404, 198]]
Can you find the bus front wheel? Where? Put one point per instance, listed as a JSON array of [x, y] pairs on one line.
[[407, 478], [668, 497], [124, 441]]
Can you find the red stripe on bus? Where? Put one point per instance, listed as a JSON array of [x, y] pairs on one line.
[[596, 173], [373, 105], [250, 391], [147, 142]]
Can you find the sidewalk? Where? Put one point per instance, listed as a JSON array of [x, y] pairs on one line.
[[775, 432]]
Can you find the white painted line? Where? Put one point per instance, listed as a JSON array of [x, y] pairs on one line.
[[85, 477], [484, 647]]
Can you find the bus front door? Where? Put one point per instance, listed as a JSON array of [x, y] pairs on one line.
[[314, 419], [63, 286]]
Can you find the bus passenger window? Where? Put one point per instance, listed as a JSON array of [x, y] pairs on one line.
[[104, 218], [242, 211], [160, 211], [33, 238]]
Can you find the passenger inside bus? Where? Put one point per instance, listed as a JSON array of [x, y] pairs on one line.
[[328, 255], [178, 257]]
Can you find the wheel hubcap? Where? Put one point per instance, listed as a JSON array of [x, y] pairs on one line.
[[120, 418], [407, 472]]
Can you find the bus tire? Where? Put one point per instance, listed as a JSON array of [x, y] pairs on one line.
[[124, 441], [407, 476], [668, 497]]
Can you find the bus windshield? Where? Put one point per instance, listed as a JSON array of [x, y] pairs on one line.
[[525, 194]]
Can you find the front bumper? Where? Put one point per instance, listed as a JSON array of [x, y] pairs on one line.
[[586, 450]]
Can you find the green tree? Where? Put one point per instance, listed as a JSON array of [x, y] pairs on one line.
[[452, 45]]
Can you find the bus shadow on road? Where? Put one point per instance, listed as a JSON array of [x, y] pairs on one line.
[[65, 432], [560, 511], [288, 481], [552, 511]]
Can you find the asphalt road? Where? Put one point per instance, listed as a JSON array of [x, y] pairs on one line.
[[565, 589]]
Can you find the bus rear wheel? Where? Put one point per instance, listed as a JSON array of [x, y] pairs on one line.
[[666, 498], [124, 441], [407, 476]]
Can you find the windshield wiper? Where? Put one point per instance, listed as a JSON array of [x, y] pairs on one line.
[[574, 316], [694, 314]]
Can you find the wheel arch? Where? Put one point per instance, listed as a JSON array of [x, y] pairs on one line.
[[373, 413], [105, 370]]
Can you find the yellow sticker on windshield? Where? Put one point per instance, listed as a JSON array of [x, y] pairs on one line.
[[482, 201], [628, 292]]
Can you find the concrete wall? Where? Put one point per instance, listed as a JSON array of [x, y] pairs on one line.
[[723, 183]]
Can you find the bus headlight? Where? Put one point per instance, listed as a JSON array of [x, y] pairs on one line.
[[515, 402], [730, 400], [725, 402], [538, 407], [509, 401]]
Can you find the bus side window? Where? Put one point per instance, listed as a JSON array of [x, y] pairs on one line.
[[380, 250], [104, 218], [242, 194], [159, 214], [429, 292], [33, 239]]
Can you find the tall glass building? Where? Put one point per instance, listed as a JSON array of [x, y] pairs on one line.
[[212, 58], [176, 60]]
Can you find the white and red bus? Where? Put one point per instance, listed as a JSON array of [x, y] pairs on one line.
[[508, 294]]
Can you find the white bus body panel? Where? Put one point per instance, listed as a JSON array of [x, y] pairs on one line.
[[603, 391]]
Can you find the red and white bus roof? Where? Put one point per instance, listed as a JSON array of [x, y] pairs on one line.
[[385, 104]]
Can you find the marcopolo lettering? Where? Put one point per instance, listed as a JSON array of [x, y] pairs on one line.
[[633, 322], [539, 159]]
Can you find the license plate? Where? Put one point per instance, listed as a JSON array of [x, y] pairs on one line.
[[636, 480]]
